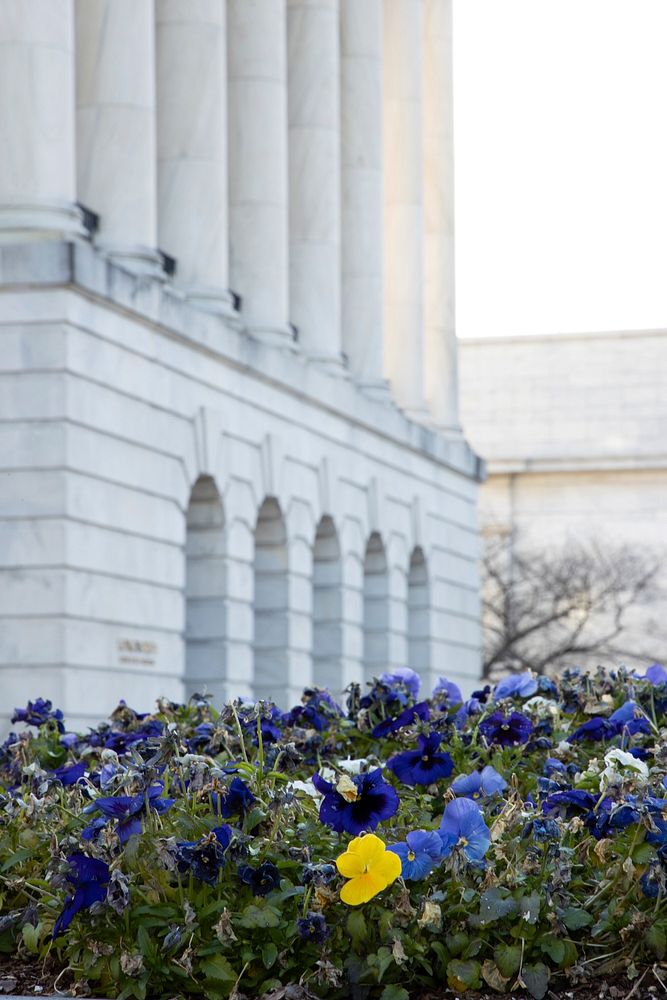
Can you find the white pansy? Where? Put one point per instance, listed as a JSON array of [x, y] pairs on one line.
[[303, 786], [619, 763], [352, 765]]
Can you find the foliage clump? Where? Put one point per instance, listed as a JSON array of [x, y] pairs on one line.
[[375, 850]]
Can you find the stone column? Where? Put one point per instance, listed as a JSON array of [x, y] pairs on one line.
[[258, 215], [313, 46], [404, 203], [362, 313], [116, 154], [191, 61], [441, 376], [37, 172]]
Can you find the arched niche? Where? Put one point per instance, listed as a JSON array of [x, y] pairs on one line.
[[376, 608], [271, 628], [327, 608]]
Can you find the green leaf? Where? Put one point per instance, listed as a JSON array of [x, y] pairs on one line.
[[31, 936], [529, 907], [456, 942], [574, 918], [394, 992], [657, 941], [217, 967], [554, 947], [384, 960], [643, 854], [536, 979], [269, 954], [508, 958], [16, 858], [356, 927], [463, 976], [259, 916], [496, 903]]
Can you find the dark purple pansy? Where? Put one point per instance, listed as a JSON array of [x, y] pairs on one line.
[[416, 713], [506, 731], [206, 856], [37, 713], [262, 880], [362, 808], [235, 801], [313, 927], [424, 765], [89, 879], [69, 774]]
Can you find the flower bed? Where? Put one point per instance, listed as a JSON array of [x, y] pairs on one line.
[[390, 847]]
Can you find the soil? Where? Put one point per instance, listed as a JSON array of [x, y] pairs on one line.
[[46, 979]]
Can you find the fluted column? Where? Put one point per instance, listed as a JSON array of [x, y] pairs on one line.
[[404, 203], [441, 375], [362, 313], [116, 154], [37, 172], [258, 215], [313, 46], [192, 146]]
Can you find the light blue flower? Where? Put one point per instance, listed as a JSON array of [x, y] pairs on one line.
[[403, 675], [522, 685], [656, 674], [450, 690], [479, 783], [420, 852], [463, 826]]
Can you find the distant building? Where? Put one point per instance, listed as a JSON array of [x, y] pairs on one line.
[[231, 456], [574, 432]]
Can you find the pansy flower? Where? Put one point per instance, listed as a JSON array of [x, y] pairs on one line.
[[419, 854], [447, 691], [416, 713], [506, 731], [313, 927], [235, 801], [370, 868], [37, 713], [424, 765], [206, 856], [127, 810], [356, 803], [262, 880], [656, 674], [485, 783], [89, 878], [69, 774], [462, 826], [404, 676], [516, 686]]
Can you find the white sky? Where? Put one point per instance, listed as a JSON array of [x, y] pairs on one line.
[[561, 165]]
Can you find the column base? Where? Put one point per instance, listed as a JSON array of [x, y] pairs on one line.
[[332, 364], [212, 300], [275, 336], [138, 260], [376, 389], [24, 221]]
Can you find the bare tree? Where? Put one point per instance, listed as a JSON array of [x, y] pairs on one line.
[[545, 609]]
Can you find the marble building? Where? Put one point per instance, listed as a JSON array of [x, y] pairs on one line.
[[231, 456], [573, 428]]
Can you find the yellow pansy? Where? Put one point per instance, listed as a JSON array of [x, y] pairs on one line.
[[369, 867]]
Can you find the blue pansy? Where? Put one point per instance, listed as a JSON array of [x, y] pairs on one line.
[[128, 810], [38, 712], [506, 731], [89, 879], [206, 856], [262, 880], [235, 801], [656, 674], [447, 691], [313, 927], [516, 685], [630, 718], [410, 679], [360, 809], [469, 708], [594, 729], [419, 854], [69, 774], [571, 802], [545, 829], [424, 765], [479, 783], [416, 713], [463, 826]]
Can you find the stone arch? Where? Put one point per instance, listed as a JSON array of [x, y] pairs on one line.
[[327, 607], [271, 611], [205, 611], [376, 608], [419, 604]]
